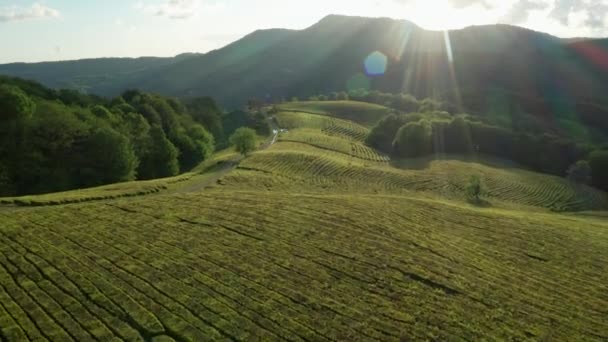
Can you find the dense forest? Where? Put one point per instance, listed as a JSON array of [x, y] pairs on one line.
[[53, 140]]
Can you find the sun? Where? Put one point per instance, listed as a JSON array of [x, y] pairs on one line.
[[441, 15]]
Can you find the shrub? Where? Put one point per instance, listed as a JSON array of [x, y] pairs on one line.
[[244, 140], [474, 189], [414, 140]]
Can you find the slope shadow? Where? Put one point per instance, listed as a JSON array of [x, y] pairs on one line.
[[422, 163]]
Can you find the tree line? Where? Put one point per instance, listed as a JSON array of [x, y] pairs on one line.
[[54, 140], [421, 134]]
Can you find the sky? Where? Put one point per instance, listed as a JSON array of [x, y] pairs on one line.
[[50, 30]]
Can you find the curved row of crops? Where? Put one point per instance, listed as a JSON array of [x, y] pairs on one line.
[[325, 141], [242, 266], [328, 125], [321, 168], [361, 112]]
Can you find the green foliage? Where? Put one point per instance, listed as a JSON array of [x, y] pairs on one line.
[[598, 160], [430, 105], [205, 111], [161, 160], [458, 137], [414, 139], [580, 172], [382, 135], [255, 120], [109, 158], [464, 134], [60, 140], [102, 113], [14, 104], [195, 145], [244, 140], [474, 189], [405, 102]]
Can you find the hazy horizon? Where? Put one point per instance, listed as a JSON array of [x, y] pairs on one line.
[[55, 30]]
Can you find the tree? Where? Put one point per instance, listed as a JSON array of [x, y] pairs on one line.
[[405, 102], [108, 157], [244, 140], [205, 111], [195, 145], [458, 136], [429, 105], [598, 160], [580, 172], [202, 138], [382, 135], [14, 104], [161, 158], [414, 140], [474, 189]]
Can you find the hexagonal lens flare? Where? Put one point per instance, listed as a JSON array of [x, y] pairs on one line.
[[376, 63]]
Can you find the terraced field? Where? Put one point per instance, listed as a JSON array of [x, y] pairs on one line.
[[274, 266], [316, 169], [313, 156], [364, 113], [330, 142], [312, 240], [331, 126]]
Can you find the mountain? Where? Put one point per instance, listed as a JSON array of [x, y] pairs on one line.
[[517, 65]]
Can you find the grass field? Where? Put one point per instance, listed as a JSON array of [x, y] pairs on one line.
[[314, 240]]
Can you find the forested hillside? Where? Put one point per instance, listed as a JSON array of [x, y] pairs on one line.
[[57, 140]]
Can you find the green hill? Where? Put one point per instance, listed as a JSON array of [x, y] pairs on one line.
[[317, 238]]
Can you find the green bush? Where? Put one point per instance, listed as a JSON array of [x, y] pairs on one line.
[[474, 189], [414, 139], [244, 140]]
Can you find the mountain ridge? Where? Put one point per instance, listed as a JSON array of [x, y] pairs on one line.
[[274, 64]]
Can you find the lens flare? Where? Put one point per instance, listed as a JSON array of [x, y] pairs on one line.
[[376, 63]]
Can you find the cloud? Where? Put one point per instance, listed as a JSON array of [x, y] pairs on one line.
[[469, 3], [520, 11], [456, 3], [174, 9], [36, 11], [595, 11]]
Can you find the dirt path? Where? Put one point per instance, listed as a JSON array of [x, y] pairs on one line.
[[223, 168], [198, 182]]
